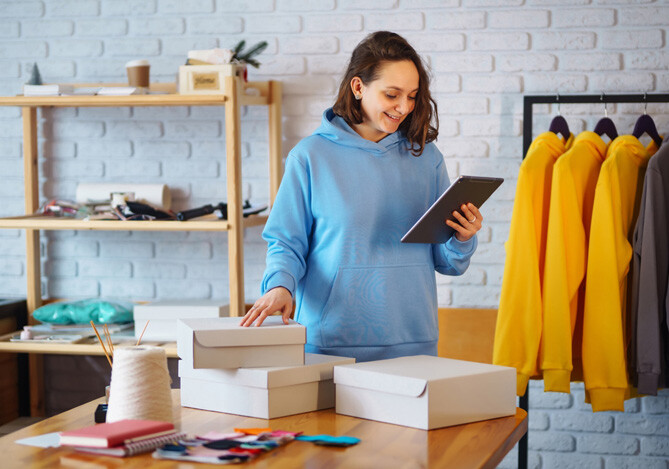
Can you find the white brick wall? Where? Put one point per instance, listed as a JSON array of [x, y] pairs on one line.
[[485, 54]]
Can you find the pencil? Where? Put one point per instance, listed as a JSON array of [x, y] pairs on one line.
[[142, 334], [110, 344], [101, 343]]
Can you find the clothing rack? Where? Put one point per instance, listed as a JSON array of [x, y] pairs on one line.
[[528, 102], [603, 98]]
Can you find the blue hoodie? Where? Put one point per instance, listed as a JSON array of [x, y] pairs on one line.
[[334, 242]]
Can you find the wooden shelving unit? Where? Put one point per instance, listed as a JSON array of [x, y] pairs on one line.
[[235, 94]]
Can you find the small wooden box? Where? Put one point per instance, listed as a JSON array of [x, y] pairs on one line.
[[207, 79]]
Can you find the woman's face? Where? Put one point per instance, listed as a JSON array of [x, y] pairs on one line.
[[386, 101]]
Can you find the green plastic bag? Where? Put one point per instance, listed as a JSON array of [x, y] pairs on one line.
[[84, 311]]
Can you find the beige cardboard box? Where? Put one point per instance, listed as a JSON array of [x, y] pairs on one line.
[[162, 316], [425, 392], [223, 343], [262, 392], [207, 79]]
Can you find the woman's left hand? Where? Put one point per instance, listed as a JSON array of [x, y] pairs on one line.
[[469, 224]]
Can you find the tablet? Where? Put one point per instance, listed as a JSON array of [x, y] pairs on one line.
[[431, 227]]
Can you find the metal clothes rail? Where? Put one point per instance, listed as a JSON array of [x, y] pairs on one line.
[[528, 102]]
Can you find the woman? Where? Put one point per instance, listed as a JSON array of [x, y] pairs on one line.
[[349, 193]]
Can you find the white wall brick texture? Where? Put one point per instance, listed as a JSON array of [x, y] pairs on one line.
[[520, 62], [47, 28], [438, 42], [244, 6], [554, 41], [484, 54], [21, 9], [301, 6], [405, 21], [449, 20], [61, 268], [584, 18], [621, 462], [71, 8], [128, 8], [333, 23], [512, 19], [498, 41], [632, 39], [191, 6]]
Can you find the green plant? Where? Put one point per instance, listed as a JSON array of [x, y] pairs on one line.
[[248, 56], [35, 77]]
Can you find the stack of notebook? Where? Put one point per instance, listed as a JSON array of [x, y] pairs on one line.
[[122, 438]]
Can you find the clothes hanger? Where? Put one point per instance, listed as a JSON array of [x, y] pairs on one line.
[[559, 124], [605, 126], [646, 125]]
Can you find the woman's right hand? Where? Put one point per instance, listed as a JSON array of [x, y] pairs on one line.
[[275, 300]]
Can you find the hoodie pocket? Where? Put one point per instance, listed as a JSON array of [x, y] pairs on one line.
[[380, 305]]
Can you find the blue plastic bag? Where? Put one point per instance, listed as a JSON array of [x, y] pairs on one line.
[[84, 311]]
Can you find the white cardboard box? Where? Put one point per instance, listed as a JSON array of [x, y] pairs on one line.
[[262, 392], [425, 392], [223, 343], [163, 315]]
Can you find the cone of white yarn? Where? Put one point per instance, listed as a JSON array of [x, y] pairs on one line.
[[140, 385]]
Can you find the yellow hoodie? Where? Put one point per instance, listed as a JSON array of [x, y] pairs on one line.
[[572, 195], [518, 330], [615, 209]]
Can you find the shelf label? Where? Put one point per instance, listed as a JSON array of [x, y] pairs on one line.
[[205, 81]]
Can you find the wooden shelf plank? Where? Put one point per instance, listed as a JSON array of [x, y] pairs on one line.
[[255, 220], [132, 100], [88, 347], [56, 223], [116, 101], [172, 98]]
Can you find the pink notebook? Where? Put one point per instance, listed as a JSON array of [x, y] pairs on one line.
[[107, 435]]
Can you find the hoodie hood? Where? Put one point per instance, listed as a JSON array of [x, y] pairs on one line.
[[335, 129]]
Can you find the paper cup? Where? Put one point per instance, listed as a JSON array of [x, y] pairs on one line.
[[138, 73]]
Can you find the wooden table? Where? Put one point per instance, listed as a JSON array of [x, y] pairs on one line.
[[481, 444]]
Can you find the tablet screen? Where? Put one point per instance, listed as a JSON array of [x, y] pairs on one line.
[[431, 227]]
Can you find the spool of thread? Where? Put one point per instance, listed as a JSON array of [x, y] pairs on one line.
[[140, 385]]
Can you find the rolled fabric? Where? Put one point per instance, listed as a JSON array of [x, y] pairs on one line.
[[156, 195]]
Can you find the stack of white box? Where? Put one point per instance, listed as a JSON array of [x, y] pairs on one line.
[[258, 372]]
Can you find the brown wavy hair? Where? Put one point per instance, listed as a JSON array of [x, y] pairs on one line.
[[366, 60]]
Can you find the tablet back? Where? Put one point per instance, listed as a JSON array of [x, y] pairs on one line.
[[431, 227]]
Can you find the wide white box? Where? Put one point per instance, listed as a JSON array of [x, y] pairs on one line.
[[262, 392], [162, 316], [425, 392], [223, 343]]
